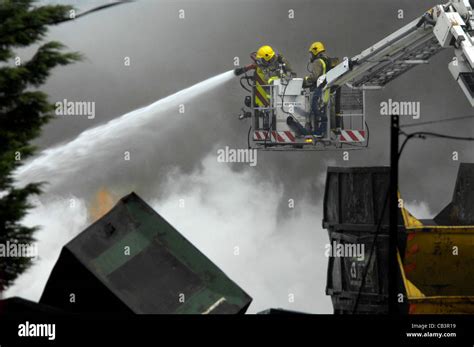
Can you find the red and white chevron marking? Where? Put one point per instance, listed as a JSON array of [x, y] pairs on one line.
[[352, 136], [277, 136]]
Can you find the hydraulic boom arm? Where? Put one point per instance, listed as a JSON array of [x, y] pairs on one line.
[[443, 26]]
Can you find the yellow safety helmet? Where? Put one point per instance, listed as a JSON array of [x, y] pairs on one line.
[[316, 48], [266, 53]]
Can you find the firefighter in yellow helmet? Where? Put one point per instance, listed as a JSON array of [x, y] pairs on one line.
[[272, 64], [319, 65], [268, 66]]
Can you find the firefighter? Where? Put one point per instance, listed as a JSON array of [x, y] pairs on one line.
[[267, 66], [320, 64], [271, 64]]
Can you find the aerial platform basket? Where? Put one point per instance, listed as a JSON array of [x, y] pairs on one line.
[[282, 123]]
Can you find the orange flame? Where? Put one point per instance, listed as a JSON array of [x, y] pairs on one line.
[[102, 204]]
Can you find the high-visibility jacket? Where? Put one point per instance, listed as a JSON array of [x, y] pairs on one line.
[[261, 91], [320, 66], [264, 76]]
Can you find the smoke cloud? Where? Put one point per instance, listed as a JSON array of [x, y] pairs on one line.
[[232, 217], [60, 219]]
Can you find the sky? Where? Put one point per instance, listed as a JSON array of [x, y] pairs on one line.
[[174, 157]]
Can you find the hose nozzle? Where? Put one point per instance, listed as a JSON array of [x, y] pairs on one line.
[[241, 70]]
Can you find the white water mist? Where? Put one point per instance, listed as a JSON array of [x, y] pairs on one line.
[[99, 144]]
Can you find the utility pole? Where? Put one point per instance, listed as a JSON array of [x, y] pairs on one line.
[[393, 216]]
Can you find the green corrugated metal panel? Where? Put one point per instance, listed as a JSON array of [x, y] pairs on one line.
[[150, 266]]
